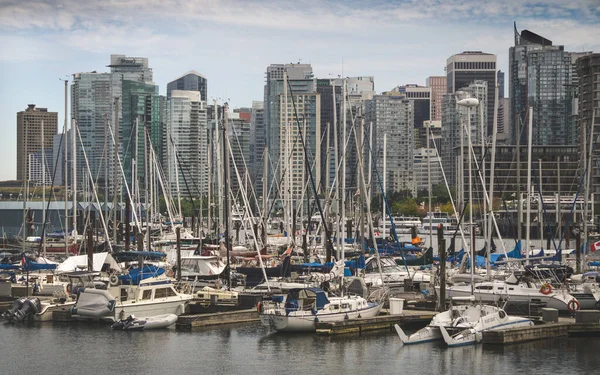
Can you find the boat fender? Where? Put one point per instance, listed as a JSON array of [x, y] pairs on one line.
[[573, 305], [346, 317], [546, 289], [316, 320], [259, 307], [478, 336], [114, 280]]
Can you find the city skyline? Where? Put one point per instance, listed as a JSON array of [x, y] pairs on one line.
[[232, 42]]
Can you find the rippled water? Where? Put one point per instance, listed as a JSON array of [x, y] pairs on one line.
[[252, 349]]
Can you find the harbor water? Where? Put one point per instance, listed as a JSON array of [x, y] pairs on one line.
[[252, 349]]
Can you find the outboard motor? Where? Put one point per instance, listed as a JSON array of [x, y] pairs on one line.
[[121, 324], [17, 305], [31, 306]]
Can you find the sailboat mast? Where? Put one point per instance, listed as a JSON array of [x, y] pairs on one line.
[[66, 169], [528, 218], [226, 192], [336, 173], [427, 124], [491, 194], [43, 190], [343, 177], [383, 215], [74, 165], [471, 231]]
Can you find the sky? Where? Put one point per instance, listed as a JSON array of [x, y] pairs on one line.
[[231, 42]]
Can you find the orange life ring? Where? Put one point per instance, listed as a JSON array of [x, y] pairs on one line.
[[573, 305], [546, 289]]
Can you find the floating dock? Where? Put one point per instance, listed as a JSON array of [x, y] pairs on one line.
[[585, 324], [189, 322], [408, 318]]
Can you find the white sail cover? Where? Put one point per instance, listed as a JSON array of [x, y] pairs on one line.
[[71, 263]]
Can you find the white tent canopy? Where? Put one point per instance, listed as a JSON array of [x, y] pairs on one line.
[[71, 263]]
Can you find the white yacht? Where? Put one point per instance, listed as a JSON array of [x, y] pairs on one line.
[[303, 309], [514, 290], [434, 219]]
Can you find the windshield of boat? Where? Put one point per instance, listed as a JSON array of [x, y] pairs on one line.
[[388, 265]]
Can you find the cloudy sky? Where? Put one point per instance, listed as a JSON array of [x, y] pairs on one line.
[[231, 42]]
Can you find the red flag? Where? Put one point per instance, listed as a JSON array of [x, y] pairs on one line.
[[595, 246]]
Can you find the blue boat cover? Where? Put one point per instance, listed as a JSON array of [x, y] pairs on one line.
[[135, 275]]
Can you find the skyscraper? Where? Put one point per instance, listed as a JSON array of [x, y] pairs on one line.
[[284, 125], [95, 98], [542, 76], [30, 139], [453, 117], [469, 66], [257, 144], [190, 81], [393, 115], [588, 71], [187, 144], [239, 141], [438, 87]]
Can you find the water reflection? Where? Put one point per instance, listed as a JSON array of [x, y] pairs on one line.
[[253, 349]]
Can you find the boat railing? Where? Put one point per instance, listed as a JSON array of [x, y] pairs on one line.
[[183, 287]]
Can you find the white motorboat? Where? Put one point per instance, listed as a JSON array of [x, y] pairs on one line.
[[468, 332], [152, 296], [393, 274], [515, 291], [302, 309]]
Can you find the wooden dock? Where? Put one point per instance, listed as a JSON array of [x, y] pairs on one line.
[[585, 324], [408, 318], [189, 322]]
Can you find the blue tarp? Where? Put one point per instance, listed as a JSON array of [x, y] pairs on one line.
[[33, 266], [135, 275], [9, 267]]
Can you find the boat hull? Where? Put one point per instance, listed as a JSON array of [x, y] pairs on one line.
[[307, 322]]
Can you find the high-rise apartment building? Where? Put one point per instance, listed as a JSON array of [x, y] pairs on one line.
[[543, 76], [300, 124], [239, 140], [30, 138], [393, 116], [105, 107], [187, 144], [453, 118], [284, 124], [588, 71], [469, 66], [438, 87], [190, 81], [257, 145]]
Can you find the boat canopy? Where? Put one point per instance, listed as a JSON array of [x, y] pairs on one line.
[[317, 293], [100, 259]]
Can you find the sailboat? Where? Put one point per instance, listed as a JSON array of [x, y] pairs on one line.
[[302, 309], [490, 318]]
